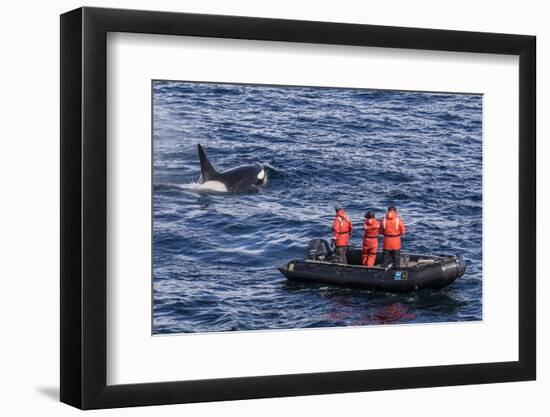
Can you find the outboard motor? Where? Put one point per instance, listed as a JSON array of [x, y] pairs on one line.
[[318, 250]]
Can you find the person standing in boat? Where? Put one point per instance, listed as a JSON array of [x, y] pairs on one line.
[[341, 232], [392, 228], [370, 239]]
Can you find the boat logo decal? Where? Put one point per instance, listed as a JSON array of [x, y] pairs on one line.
[[400, 275], [291, 266]]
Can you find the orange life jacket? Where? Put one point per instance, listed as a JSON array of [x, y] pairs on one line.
[[370, 238], [341, 228], [392, 227]]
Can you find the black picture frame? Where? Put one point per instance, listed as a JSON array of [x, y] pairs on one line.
[[84, 207]]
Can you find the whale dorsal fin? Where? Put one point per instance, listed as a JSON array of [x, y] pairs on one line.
[[207, 169]]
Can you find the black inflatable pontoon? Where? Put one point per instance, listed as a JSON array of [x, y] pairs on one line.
[[415, 272]]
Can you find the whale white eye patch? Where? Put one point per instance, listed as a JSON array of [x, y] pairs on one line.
[[261, 175]]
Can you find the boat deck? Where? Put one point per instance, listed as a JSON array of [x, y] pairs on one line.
[[354, 260]]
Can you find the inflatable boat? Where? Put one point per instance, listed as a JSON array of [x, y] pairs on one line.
[[414, 272]]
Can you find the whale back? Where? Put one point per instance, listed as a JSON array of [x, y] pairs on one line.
[[241, 178]]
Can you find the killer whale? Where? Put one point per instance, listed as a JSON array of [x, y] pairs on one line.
[[241, 178]]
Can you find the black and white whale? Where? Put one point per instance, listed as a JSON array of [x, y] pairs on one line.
[[241, 178]]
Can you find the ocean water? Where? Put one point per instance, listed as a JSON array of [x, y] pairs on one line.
[[215, 254]]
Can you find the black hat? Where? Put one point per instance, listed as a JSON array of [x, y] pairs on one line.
[[369, 214], [392, 208], [338, 207]]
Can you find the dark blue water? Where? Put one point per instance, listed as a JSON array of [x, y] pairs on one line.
[[215, 254]]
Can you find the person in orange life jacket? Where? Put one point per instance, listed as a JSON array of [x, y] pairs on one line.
[[392, 228], [341, 232], [370, 239]]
